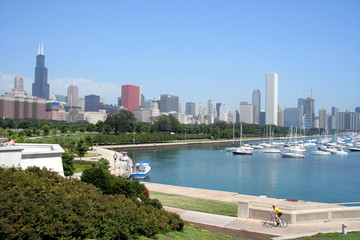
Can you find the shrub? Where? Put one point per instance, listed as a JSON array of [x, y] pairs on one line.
[[39, 204]]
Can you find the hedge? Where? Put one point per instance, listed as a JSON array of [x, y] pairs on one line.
[[40, 204]]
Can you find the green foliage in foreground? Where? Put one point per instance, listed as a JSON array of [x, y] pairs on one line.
[[333, 236], [40, 204], [196, 204]]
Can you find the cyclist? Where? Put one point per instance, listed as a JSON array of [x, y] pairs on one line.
[[278, 215]]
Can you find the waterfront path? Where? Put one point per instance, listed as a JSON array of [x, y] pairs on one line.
[[251, 225]]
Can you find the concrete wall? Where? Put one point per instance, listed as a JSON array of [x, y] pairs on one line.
[[25, 155], [336, 212]]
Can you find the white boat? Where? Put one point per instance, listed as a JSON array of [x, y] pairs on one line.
[[141, 170], [354, 149], [258, 147], [320, 152], [292, 155], [340, 151], [243, 150], [271, 150]]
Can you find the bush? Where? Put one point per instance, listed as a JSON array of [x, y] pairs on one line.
[[111, 184], [39, 204]]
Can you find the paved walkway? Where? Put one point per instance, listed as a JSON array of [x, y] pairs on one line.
[[292, 231]]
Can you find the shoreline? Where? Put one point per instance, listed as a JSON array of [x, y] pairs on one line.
[[179, 144]]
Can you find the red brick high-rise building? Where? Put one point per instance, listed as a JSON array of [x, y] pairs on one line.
[[130, 97]]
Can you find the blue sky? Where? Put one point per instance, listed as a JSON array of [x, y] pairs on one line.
[[197, 50]]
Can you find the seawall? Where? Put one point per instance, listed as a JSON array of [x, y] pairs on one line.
[[259, 207]]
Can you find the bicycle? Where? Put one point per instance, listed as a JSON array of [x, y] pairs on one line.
[[271, 222]]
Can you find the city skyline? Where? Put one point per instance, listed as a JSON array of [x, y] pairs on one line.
[[191, 50]]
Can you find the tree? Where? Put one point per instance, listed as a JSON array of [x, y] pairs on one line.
[[81, 148], [103, 163], [68, 163], [162, 123], [46, 130], [122, 121], [63, 128]]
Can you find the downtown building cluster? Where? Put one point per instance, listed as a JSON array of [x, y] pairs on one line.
[[92, 108]]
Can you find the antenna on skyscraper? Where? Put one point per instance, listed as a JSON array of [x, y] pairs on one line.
[[42, 48], [39, 50]]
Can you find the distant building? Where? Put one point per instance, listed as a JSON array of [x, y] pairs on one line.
[[210, 107], [94, 117], [130, 97], [190, 108], [262, 117], [323, 118], [223, 114], [246, 112], [256, 102], [348, 121], [169, 103], [309, 112], [19, 83], [40, 88], [20, 107], [61, 98], [92, 103], [357, 109], [73, 96], [292, 117], [271, 103], [280, 117]]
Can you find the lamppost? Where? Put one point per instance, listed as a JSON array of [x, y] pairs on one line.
[[115, 157]]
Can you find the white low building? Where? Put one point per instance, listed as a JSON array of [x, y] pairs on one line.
[[25, 155]]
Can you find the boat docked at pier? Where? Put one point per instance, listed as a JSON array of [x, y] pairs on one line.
[[141, 170]]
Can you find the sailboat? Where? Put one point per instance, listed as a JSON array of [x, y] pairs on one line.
[[242, 150], [290, 153], [230, 149]]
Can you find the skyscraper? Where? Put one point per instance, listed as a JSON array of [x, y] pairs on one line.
[[40, 88], [92, 103], [323, 118], [190, 108], [169, 103], [73, 96], [130, 97], [271, 103], [256, 102], [210, 107], [309, 112], [292, 117], [246, 112], [19, 83]]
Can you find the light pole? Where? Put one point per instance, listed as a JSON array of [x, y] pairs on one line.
[[115, 157]]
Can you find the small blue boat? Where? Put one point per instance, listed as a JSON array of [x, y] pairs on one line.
[[141, 170]]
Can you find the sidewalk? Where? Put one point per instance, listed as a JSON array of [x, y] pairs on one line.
[[292, 231]]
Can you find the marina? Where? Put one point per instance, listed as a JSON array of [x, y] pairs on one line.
[[321, 178]]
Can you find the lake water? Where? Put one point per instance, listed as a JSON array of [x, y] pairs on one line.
[[330, 179]]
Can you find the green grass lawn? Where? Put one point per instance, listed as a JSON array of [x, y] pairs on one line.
[[80, 166], [333, 236], [190, 232], [196, 204]]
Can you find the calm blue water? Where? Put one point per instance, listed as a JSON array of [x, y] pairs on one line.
[[330, 179]]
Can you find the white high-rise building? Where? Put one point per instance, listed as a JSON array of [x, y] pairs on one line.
[[271, 98]]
